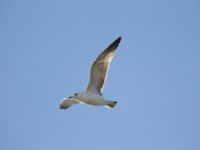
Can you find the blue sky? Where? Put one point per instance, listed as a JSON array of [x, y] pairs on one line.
[[45, 54]]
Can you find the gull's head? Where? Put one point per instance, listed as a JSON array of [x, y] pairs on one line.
[[75, 94], [78, 94]]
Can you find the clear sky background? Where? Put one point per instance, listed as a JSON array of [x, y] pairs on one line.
[[46, 48]]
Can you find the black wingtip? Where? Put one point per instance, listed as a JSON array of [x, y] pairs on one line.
[[113, 46], [115, 43], [118, 39]]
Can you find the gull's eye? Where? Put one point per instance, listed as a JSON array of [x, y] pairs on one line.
[[75, 94]]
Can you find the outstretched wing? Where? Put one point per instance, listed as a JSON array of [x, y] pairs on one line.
[[100, 67], [67, 102]]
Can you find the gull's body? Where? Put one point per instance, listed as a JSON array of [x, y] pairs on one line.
[[93, 94]]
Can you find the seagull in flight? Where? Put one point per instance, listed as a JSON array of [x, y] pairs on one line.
[[93, 94]]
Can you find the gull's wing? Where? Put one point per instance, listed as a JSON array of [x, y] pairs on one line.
[[100, 67], [67, 102]]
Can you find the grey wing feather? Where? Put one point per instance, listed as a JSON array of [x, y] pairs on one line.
[[67, 102], [100, 67]]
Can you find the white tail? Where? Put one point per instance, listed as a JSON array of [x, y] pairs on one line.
[[111, 104]]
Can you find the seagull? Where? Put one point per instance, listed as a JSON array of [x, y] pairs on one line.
[[98, 72]]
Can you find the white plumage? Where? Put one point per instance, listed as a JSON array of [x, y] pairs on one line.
[[93, 94]]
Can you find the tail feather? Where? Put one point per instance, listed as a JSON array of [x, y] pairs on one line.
[[111, 104]]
